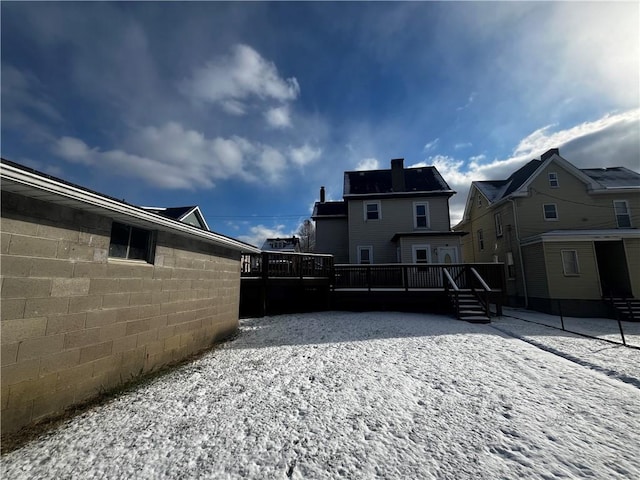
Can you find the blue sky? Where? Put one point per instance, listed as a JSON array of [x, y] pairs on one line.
[[246, 109]]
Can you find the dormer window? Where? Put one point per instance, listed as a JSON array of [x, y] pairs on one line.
[[553, 180]]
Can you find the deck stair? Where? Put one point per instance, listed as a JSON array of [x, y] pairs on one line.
[[470, 308], [469, 303], [626, 308]]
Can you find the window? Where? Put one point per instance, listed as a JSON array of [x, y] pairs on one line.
[[480, 240], [498, 219], [365, 255], [372, 211], [550, 211], [421, 254], [553, 180], [421, 215], [570, 262], [130, 242], [479, 200], [623, 217]]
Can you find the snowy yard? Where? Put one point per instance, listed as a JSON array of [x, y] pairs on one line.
[[366, 395]]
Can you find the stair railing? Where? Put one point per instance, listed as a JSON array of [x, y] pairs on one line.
[[452, 290], [483, 297]]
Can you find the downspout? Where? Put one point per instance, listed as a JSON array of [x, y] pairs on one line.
[[524, 277]]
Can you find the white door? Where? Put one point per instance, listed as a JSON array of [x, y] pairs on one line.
[[447, 254]]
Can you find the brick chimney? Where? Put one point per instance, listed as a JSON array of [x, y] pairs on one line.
[[397, 175], [549, 153], [321, 194]]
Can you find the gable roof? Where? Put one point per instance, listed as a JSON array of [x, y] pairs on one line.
[[180, 213], [496, 190], [288, 244], [26, 181], [613, 177], [416, 180]]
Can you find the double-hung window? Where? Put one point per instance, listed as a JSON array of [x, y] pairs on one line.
[[553, 180], [129, 242], [480, 240], [421, 215], [623, 216], [570, 262], [372, 211], [550, 211], [498, 220]]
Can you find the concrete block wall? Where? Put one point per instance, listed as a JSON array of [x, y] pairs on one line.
[[75, 322]]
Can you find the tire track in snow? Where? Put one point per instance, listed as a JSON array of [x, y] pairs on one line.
[[635, 382]]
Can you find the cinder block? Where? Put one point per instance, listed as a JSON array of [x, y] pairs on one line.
[[113, 332], [161, 273], [67, 287], [146, 338], [151, 284], [75, 374], [52, 403], [180, 317], [11, 308], [74, 251], [106, 365], [100, 255], [20, 227], [13, 419], [59, 361], [9, 353], [89, 388], [123, 344], [18, 372], [23, 328], [50, 267], [22, 392], [82, 338], [37, 347], [94, 239], [115, 300], [147, 311], [5, 241], [137, 326], [100, 318], [57, 233], [66, 323], [89, 270], [103, 286], [15, 266], [85, 303], [188, 326], [94, 352], [171, 343], [176, 284], [32, 246], [36, 307], [140, 298], [127, 314], [166, 332], [25, 287]]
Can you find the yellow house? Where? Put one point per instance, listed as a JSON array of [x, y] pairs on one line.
[[568, 237]]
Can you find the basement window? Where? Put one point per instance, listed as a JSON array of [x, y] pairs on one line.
[[131, 243]]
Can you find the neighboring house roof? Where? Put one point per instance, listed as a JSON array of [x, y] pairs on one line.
[[597, 180], [608, 234], [25, 181], [181, 213], [290, 244], [330, 209], [421, 179]]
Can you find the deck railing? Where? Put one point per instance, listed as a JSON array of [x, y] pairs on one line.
[[286, 265]]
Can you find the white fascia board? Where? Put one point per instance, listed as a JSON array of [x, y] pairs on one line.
[[88, 198], [582, 236]]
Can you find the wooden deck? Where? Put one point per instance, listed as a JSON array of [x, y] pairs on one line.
[[274, 282]]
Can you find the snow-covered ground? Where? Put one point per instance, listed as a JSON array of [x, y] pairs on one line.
[[366, 395]]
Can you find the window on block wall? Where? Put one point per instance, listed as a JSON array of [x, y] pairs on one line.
[[130, 242]]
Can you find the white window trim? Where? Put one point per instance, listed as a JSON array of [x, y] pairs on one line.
[[544, 212], [365, 247], [626, 204], [564, 266], [415, 248], [557, 185], [415, 215], [364, 206], [480, 240], [497, 218]]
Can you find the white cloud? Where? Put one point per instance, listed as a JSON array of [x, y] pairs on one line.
[[304, 155], [272, 163], [259, 233], [459, 146], [74, 150], [469, 102], [368, 164], [232, 79], [431, 145], [278, 117]]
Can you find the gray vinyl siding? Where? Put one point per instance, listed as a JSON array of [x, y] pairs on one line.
[[192, 219], [534, 264], [585, 285], [332, 237], [407, 243], [397, 215]]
